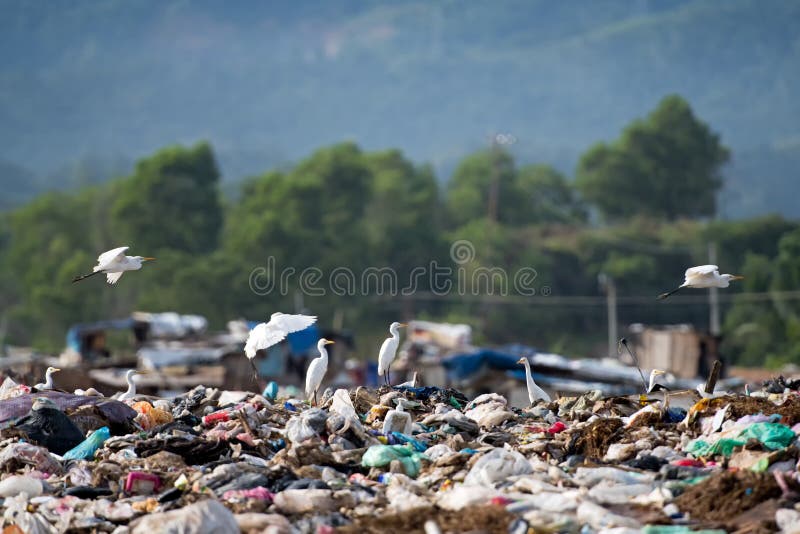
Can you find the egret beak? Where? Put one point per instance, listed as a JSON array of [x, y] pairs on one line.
[[148, 259], [737, 277], [402, 325], [56, 369], [329, 342]]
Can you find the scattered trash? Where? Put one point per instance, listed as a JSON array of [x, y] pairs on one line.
[[399, 459]]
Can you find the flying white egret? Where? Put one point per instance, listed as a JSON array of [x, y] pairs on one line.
[[316, 369], [113, 264], [389, 351], [265, 335], [534, 391], [703, 276], [48, 379], [131, 392]]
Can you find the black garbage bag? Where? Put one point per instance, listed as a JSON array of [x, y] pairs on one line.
[[49, 427]]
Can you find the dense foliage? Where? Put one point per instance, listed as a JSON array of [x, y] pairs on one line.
[[345, 210]]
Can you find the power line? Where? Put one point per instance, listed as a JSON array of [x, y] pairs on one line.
[[595, 300]]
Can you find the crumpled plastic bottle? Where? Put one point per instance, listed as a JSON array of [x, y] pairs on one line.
[[86, 449]]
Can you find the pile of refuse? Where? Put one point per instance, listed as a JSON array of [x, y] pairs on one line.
[[410, 459]]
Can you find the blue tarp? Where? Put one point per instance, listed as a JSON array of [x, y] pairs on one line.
[[75, 331], [462, 366]]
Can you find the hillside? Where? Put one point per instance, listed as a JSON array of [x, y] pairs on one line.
[[106, 82]]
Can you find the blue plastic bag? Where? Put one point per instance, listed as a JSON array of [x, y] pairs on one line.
[[86, 450]]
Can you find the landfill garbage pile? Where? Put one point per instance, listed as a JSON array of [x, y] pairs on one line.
[[402, 459]]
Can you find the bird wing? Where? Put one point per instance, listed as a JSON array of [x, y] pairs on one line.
[[292, 323], [111, 256], [701, 270], [261, 337], [112, 278]]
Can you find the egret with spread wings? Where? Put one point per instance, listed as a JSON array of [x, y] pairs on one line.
[[703, 276], [113, 264], [265, 335]]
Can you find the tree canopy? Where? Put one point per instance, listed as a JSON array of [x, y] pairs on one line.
[[666, 165]]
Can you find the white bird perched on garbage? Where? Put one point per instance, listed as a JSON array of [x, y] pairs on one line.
[[131, 392], [113, 264], [534, 391], [653, 385], [411, 383], [703, 276], [317, 369], [48, 379], [265, 335], [389, 351]]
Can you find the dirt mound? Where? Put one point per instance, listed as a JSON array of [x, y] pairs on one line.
[[723, 497], [488, 519]]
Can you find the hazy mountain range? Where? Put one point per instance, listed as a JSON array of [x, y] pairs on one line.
[[87, 87]]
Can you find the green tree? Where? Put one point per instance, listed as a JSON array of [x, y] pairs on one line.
[[545, 196], [666, 165], [170, 201]]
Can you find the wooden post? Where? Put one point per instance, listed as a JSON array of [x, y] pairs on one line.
[[713, 376]]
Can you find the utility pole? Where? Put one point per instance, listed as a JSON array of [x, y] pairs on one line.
[[607, 284], [713, 295], [494, 184]]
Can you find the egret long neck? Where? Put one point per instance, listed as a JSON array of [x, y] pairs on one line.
[[323, 353], [131, 385], [394, 331], [48, 379], [529, 377]]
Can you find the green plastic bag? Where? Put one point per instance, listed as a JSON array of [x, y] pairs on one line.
[[773, 436], [383, 455], [722, 447]]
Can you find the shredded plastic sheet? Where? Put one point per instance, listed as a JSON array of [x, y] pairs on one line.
[[115, 411]]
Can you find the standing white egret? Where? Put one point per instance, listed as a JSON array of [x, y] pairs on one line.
[[48, 379], [389, 351], [265, 335], [534, 391], [131, 392], [703, 276], [316, 369], [113, 264]]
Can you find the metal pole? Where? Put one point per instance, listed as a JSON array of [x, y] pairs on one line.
[[494, 185], [612, 317], [713, 295]]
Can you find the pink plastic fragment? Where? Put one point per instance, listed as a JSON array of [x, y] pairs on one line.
[[142, 483]]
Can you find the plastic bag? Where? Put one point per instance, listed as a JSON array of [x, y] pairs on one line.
[[306, 425], [86, 450], [383, 455], [342, 405], [17, 454], [722, 447], [271, 391], [497, 465], [149, 416], [772, 436]]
